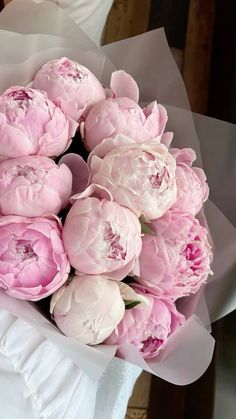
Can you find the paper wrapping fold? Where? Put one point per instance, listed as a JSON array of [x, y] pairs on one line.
[[31, 34]]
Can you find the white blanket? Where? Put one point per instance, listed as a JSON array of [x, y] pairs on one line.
[[89, 14], [38, 382]]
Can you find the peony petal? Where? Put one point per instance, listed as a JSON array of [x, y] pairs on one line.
[[108, 144], [156, 112], [95, 191], [167, 138], [128, 293], [80, 171], [184, 155], [123, 85]]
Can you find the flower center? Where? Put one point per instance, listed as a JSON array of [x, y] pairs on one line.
[[157, 179], [192, 251], [31, 174], [117, 251], [16, 103], [72, 71], [191, 258], [151, 345], [19, 95], [24, 250], [157, 169]]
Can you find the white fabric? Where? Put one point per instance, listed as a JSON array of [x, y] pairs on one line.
[[36, 380], [89, 14], [114, 389]]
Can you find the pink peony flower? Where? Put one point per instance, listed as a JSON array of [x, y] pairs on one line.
[[147, 326], [139, 176], [33, 186], [70, 85], [175, 262], [101, 237], [192, 189], [122, 115], [88, 308], [33, 262], [31, 124]]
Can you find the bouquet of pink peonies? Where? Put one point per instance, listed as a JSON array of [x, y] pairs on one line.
[[101, 218]]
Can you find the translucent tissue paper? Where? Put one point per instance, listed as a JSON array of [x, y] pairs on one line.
[[33, 33]]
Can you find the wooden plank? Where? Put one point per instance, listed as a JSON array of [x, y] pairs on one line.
[[136, 413], [197, 56], [126, 18], [166, 400], [199, 396], [140, 395], [222, 96], [173, 16]]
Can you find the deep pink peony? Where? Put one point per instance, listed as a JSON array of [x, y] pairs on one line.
[[33, 262], [88, 308], [31, 124], [147, 326], [192, 189], [33, 186], [101, 237], [70, 85], [123, 115], [139, 176], [175, 262]]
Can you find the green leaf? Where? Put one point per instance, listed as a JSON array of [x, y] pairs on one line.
[[131, 304], [145, 229]]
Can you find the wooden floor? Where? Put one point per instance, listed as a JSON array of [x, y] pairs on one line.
[[139, 402], [127, 18]]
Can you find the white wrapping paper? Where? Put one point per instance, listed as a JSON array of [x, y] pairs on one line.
[[30, 35]]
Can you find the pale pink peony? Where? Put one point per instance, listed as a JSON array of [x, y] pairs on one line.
[[122, 115], [139, 176], [88, 308], [147, 326], [33, 186], [70, 85], [192, 189], [101, 237], [33, 262], [176, 261], [31, 124]]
